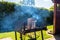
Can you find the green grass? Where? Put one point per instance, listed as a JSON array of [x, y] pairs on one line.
[[12, 35], [50, 27]]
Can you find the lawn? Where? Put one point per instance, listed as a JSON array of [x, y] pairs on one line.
[[12, 35]]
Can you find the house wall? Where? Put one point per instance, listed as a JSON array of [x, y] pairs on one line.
[[56, 17]]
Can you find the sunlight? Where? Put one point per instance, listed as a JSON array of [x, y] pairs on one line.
[[38, 3]]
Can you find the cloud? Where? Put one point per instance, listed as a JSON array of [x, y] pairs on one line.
[[46, 0], [12, 0]]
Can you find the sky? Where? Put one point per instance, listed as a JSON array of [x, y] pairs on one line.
[[38, 3], [44, 3]]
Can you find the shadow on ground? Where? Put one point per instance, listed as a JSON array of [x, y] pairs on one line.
[[57, 37]]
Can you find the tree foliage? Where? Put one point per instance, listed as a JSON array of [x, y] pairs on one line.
[[50, 19], [51, 8], [6, 7]]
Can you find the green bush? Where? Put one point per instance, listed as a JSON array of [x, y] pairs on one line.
[[6, 7], [50, 19]]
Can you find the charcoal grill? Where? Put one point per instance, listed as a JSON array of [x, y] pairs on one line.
[[31, 27]]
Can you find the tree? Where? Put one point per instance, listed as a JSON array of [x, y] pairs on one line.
[[2, 0], [51, 8], [50, 19]]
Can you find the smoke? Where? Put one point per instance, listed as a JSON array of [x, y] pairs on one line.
[[20, 15]]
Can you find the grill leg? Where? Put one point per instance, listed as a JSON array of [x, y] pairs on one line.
[[42, 35], [21, 36], [35, 35], [15, 35]]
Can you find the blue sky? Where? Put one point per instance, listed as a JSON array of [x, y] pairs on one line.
[[38, 3]]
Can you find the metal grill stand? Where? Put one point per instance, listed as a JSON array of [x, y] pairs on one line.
[[34, 34], [31, 28]]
